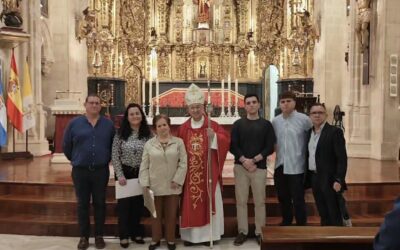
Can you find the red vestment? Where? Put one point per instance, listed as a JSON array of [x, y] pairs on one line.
[[195, 199]]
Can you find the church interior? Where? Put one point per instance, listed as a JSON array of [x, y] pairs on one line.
[[343, 53]]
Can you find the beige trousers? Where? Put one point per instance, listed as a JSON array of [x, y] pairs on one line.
[[243, 180]]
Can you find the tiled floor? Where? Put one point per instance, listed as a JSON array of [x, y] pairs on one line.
[[25, 242]]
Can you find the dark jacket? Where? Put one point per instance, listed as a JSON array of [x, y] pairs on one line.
[[330, 156], [388, 235]]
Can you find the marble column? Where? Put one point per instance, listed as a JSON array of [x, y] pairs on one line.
[[359, 144], [38, 144], [385, 116]]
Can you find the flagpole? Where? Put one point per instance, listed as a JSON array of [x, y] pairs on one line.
[[13, 140], [26, 141]]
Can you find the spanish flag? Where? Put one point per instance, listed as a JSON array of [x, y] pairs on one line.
[[14, 100]]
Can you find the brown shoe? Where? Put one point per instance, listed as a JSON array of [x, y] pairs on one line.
[[240, 239], [83, 243], [99, 242]]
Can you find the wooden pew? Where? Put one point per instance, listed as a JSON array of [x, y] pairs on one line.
[[317, 238]]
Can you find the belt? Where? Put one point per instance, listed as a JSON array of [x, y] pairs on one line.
[[91, 167]]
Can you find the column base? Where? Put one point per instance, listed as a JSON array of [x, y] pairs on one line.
[[359, 149], [59, 158]]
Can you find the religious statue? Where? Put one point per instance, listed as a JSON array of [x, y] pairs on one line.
[[87, 24], [363, 19], [203, 12], [202, 72], [11, 13]]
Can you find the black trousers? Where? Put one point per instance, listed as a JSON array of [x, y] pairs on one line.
[[91, 183], [326, 200], [290, 191], [129, 211]]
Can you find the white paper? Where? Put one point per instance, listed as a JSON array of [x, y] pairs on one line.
[[132, 188], [149, 202]]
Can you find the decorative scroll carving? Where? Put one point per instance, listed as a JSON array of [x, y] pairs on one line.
[[242, 20], [163, 13], [270, 31], [179, 21], [164, 63]]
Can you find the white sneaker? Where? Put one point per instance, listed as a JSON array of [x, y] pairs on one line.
[[347, 223]]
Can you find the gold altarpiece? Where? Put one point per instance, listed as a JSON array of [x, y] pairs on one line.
[[239, 38]]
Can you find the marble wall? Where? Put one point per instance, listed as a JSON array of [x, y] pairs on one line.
[[372, 118], [69, 70]]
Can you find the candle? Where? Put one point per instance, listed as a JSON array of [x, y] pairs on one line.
[[222, 95], [143, 92], [236, 91], [157, 89], [150, 93], [209, 92], [229, 91], [236, 98]]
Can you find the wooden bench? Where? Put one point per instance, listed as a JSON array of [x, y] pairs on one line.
[[318, 238]]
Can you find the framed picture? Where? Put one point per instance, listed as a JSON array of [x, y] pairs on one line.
[[44, 7]]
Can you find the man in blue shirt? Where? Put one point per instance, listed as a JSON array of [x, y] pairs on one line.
[[87, 144], [291, 130]]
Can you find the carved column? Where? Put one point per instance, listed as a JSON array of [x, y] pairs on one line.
[[359, 109], [38, 144], [163, 14], [242, 15]]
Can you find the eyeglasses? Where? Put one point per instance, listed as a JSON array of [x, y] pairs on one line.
[[93, 103], [251, 102], [317, 113]]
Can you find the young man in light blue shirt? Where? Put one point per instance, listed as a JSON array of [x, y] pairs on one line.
[[291, 130]]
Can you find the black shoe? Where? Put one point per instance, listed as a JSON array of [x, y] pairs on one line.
[[124, 243], [171, 246], [207, 243], [138, 240], [99, 242], [83, 243], [188, 244], [258, 239], [154, 246], [240, 239], [285, 224]]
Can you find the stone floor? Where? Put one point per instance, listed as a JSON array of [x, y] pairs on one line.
[[28, 242]]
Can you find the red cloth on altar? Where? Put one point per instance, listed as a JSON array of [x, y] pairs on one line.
[[195, 199]]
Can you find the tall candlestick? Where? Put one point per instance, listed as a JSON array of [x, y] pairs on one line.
[[222, 98], [229, 97], [157, 97], [143, 92], [209, 92], [150, 98], [236, 98]]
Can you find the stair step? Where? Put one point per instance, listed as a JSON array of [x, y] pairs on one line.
[[68, 226]]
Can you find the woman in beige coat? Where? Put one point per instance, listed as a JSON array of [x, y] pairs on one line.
[[163, 170]]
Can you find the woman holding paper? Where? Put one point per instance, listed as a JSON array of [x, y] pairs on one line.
[[163, 171], [127, 152]]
